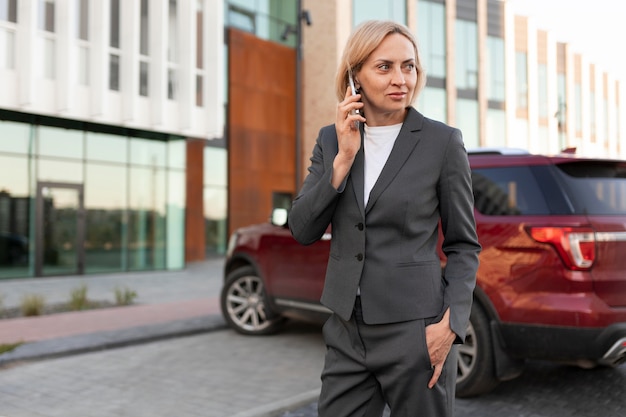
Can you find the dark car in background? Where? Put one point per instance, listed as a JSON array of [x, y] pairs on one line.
[[551, 283]]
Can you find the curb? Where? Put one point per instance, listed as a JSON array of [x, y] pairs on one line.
[[91, 342]]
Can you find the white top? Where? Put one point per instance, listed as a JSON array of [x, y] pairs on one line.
[[377, 144]]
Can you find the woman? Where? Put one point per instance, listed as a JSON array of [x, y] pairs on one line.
[[384, 178]]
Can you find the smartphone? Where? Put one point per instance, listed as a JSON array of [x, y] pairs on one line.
[[351, 81]]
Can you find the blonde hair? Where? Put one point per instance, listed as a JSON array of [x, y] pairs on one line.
[[364, 39]]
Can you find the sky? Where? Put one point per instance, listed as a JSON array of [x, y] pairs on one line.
[[594, 28]]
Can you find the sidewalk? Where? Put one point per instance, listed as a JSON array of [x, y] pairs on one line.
[[168, 304], [281, 373]]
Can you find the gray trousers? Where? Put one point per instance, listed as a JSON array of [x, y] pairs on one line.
[[368, 366]]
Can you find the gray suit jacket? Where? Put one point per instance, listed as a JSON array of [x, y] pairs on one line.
[[389, 247]]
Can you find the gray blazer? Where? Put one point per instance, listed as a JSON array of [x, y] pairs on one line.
[[389, 247]]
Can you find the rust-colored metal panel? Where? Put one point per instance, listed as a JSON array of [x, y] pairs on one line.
[[194, 216], [261, 126]]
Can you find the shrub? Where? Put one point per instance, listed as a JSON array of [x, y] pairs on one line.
[[78, 298], [32, 305], [124, 296]]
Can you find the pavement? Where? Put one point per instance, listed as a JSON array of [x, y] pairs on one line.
[[169, 304]]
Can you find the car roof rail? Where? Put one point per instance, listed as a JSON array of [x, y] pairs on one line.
[[497, 151]]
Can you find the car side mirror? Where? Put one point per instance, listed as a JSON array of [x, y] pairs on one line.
[[279, 217]]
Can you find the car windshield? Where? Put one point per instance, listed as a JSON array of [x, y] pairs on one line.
[[596, 187]]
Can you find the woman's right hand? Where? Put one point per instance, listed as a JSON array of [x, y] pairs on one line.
[[348, 135]]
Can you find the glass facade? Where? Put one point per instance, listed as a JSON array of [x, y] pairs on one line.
[[496, 81], [467, 121], [432, 103], [215, 200], [431, 32], [273, 20], [89, 201], [363, 10], [466, 55], [495, 134], [521, 80]]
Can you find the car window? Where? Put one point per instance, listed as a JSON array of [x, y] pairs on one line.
[[596, 187], [507, 191]]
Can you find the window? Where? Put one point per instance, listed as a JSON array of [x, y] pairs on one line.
[[596, 187], [496, 128], [172, 50], [82, 36], [507, 192], [363, 10], [8, 11], [432, 37], [144, 51], [114, 46], [521, 77], [495, 69], [433, 104], [542, 94], [47, 39], [274, 20], [467, 55], [8, 18], [200, 53], [592, 115], [468, 121]]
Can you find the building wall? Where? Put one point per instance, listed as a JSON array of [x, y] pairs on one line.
[[261, 127]]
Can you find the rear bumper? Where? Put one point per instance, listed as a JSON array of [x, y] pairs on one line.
[[606, 346]]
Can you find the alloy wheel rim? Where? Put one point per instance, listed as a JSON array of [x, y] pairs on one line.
[[246, 304], [467, 355]]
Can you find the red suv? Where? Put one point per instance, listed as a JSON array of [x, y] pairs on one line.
[[551, 283]]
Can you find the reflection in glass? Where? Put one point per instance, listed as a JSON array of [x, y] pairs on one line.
[[14, 218], [467, 55], [469, 122], [146, 223], [15, 137], [375, 9], [59, 142], [176, 220], [432, 36], [496, 128], [177, 154], [105, 203], [432, 103], [215, 219], [60, 171], [60, 231], [148, 152], [104, 147], [215, 170]]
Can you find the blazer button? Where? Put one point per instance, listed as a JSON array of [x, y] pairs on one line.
[[360, 226], [359, 257]]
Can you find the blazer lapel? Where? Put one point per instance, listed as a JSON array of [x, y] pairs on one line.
[[403, 147], [357, 174]]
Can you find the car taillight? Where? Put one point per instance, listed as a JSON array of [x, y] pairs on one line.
[[575, 245]]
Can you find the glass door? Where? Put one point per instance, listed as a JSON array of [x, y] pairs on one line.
[[60, 229]]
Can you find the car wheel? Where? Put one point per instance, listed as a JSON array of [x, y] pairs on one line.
[[475, 368], [244, 304]]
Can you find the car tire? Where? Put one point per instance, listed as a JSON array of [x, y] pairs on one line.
[[244, 304], [475, 369]]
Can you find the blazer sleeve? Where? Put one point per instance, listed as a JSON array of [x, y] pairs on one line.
[[314, 206], [460, 244]]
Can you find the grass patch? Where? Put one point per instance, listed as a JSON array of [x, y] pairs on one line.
[[8, 347]]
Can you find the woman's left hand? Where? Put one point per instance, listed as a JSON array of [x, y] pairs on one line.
[[439, 339]]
